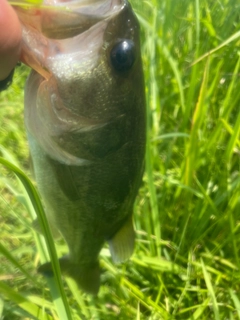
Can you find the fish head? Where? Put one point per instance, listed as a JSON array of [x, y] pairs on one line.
[[87, 54], [102, 72]]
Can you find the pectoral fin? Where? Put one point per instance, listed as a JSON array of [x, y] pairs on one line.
[[87, 276], [122, 244], [65, 179]]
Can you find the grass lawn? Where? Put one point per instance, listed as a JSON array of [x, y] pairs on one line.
[[186, 263]]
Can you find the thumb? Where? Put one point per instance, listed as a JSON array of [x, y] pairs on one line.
[[10, 39]]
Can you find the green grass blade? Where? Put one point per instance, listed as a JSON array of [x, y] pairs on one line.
[[152, 127], [192, 150], [11, 259], [57, 286], [234, 37], [236, 301], [234, 140], [199, 311], [211, 292], [171, 135], [175, 68], [22, 301]]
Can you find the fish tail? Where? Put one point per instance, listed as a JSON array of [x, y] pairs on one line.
[[87, 276]]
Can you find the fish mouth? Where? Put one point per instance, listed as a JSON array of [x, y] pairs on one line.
[[66, 31], [59, 19], [76, 16]]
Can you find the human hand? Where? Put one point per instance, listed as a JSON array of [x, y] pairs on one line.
[[10, 39]]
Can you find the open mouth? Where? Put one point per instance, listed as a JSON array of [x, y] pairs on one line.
[[61, 33], [59, 19]]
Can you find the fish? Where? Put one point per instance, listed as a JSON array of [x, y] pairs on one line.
[[86, 126]]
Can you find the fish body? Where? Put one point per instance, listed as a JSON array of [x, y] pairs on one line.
[[85, 119]]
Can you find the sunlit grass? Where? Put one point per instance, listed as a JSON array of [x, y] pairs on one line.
[[186, 261]]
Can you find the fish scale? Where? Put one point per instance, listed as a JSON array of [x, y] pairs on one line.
[[85, 120]]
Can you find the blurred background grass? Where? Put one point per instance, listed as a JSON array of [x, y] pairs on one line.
[[186, 262]]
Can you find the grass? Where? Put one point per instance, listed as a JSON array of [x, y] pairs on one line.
[[186, 262]]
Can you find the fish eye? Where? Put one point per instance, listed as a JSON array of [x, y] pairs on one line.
[[123, 55]]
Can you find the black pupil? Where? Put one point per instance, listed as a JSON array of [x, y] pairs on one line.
[[122, 55]]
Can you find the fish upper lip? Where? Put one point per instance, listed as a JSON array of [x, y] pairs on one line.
[[94, 8]]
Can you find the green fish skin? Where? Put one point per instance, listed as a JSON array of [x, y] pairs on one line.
[[85, 119]]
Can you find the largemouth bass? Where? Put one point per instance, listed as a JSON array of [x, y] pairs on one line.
[[85, 119]]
